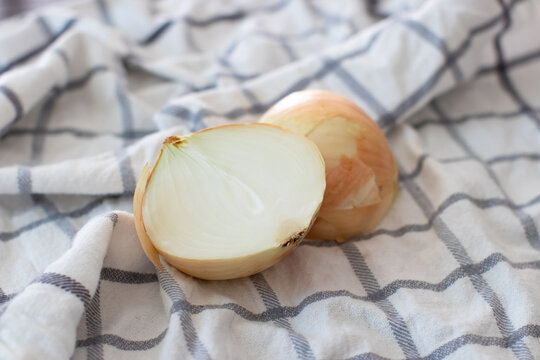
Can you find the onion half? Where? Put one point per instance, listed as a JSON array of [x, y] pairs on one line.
[[361, 173], [229, 201]]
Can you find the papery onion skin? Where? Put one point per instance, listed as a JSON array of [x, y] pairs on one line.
[[354, 149], [138, 198], [231, 268], [212, 269]]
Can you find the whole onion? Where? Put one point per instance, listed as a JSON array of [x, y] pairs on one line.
[[361, 174]]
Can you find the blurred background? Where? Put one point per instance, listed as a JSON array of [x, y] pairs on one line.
[[13, 7]]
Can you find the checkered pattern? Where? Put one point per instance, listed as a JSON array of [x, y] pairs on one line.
[[88, 90]]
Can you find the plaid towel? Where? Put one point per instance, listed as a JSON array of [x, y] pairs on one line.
[[89, 89]]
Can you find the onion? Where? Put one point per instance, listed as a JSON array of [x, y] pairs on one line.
[[229, 201], [361, 174]]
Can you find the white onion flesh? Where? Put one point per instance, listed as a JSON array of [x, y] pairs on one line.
[[232, 193]]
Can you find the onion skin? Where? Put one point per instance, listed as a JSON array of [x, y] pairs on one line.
[[232, 268], [211, 269], [138, 198], [354, 149]]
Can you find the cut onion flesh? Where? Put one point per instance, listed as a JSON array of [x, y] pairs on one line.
[[230, 201]]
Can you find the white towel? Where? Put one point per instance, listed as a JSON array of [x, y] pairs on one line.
[[89, 89]]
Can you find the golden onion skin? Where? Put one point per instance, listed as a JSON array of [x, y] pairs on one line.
[[230, 268], [354, 150], [138, 199]]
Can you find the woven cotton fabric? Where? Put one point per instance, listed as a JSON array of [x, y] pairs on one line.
[[89, 89]]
